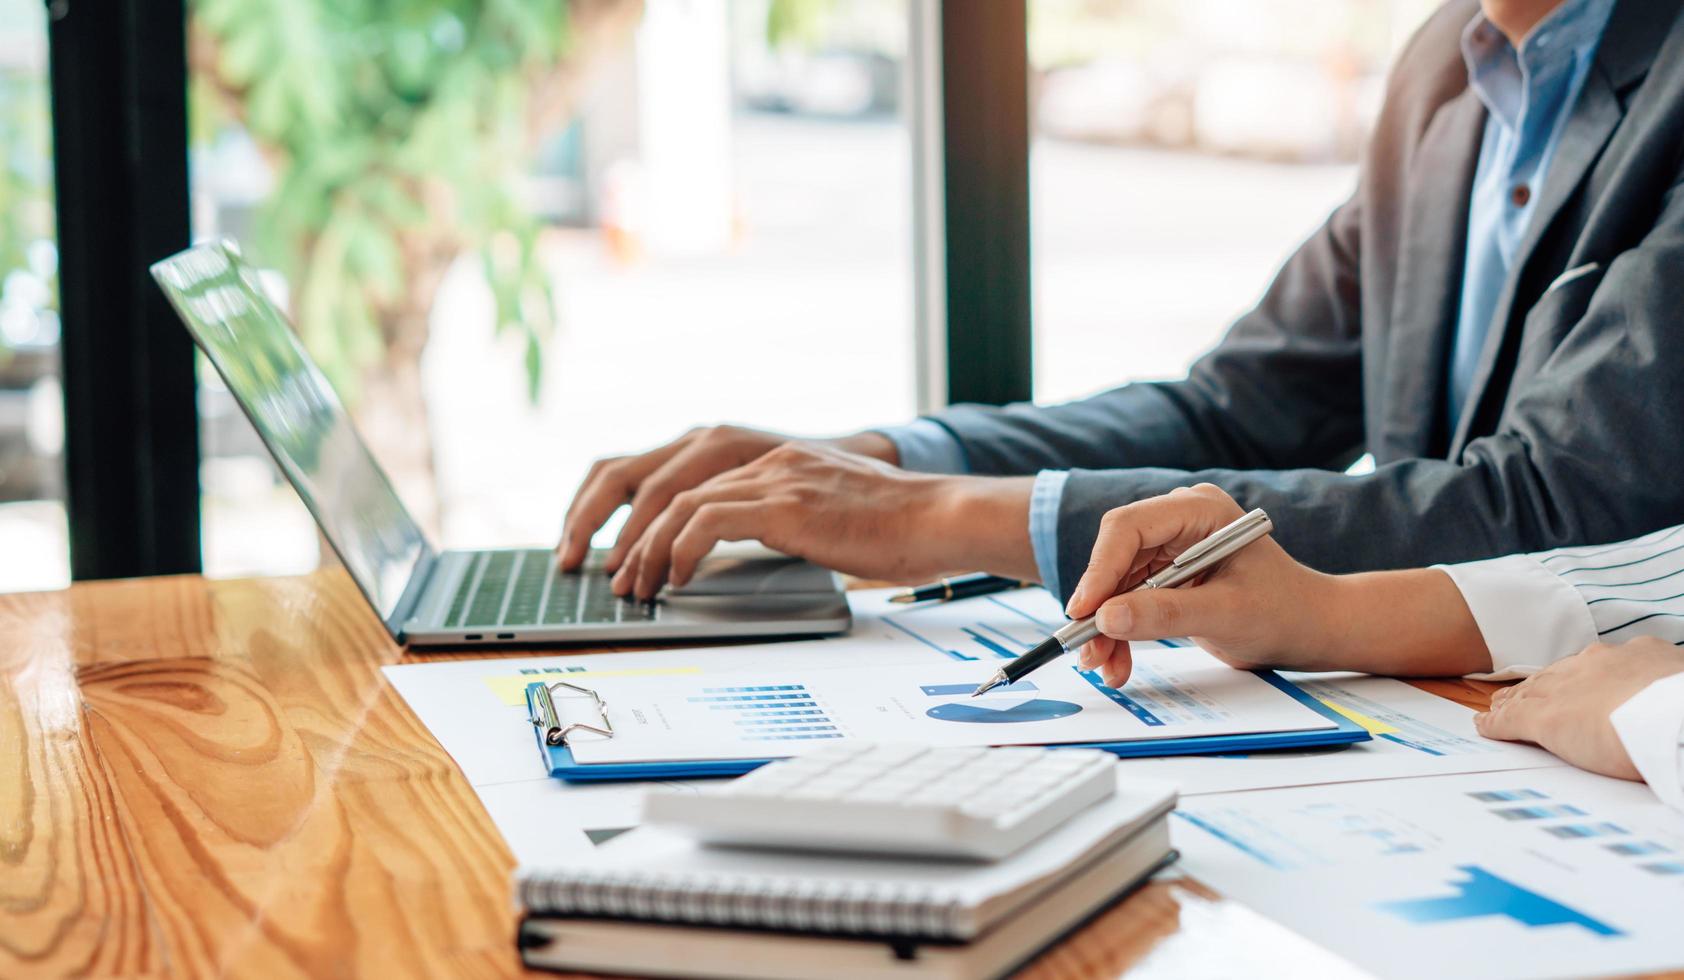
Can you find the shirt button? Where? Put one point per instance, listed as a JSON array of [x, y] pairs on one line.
[[1520, 195]]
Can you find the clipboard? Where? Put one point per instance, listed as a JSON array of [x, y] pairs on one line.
[[554, 724]]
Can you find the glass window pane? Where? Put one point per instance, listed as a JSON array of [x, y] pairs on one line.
[[521, 236], [33, 534], [1181, 149]]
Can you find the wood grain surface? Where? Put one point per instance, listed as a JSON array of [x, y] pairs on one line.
[[214, 779]]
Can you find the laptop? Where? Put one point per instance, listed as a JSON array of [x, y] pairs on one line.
[[428, 598]]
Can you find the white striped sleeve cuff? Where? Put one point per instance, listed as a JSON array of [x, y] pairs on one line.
[[1651, 727], [1529, 617]]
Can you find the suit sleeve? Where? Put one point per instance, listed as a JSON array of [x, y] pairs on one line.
[[1587, 449]]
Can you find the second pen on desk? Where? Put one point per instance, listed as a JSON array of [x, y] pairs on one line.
[[1188, 565], [959, 587]]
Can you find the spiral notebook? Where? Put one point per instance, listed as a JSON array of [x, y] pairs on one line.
[[652, 902]]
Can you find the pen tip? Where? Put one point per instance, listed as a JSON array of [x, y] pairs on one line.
[[901, 597]]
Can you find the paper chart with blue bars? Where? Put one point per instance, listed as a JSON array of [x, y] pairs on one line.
[[1560, 871], [997, 627], [780, 710], [770, 712]]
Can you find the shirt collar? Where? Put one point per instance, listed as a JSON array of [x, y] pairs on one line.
[[1555, 43]]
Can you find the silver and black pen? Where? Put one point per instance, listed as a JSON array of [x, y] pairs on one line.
[[1188, 565]]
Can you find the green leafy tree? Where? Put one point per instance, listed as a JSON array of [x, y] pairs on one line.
[[26, 183], [399, 132]]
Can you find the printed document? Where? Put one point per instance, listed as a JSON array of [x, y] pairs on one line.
[[776, 711], [1535, 873], [1414, 734]]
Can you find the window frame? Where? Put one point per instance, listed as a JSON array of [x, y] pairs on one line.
[[119, 81]]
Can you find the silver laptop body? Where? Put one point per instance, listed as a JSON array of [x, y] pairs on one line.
[[453, 598]]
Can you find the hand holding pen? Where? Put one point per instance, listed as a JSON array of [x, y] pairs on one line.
[[1151, 546]]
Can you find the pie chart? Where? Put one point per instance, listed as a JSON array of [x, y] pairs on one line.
[[1039, 709]]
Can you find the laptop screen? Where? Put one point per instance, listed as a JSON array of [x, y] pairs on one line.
[[299, 418]]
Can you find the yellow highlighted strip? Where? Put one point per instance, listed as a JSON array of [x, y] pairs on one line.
[[1374, 726], [511, 688]]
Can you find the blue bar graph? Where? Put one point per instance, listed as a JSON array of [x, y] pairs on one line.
[[1638, 848], [1484, 894], [1132, 706], [1573, 831], [753, 697], [1507, 795], [1538, 812]]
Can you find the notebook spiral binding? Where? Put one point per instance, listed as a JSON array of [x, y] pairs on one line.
[[835, 907]]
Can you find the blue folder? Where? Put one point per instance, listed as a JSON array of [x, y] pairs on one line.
[[562, 765]]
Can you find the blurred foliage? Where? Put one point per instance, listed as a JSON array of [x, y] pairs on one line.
[[399, 132], [797, 23], [26, 183]]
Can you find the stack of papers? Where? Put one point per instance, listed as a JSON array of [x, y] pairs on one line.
[[1425, 851]]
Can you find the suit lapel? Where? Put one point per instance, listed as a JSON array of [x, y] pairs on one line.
[[1592, 120], [1430, 260], [1623, 58]]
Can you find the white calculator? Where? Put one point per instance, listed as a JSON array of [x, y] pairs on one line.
[[899, 799]]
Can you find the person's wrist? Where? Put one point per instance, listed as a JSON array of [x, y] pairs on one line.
[[875, 445], [979, 523], [1325, 623]]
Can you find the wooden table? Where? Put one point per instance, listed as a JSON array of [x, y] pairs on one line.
[[207, 778]]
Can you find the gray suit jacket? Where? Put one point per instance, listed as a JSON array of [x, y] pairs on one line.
[[1572, 432]]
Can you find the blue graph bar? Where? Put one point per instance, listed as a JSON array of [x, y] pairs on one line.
[[1508, 795], [1574, 831], [755, 707], [956, 655], [1017, 640], [1130, 705], [1406, 743], [749, 690], [787, 722], [1538, 812], [999, 651], [1216, 831], [754, 697], [946, 690], [777, 714], [1665, 868], [1638, 848], [792, 738], [1485, 894]]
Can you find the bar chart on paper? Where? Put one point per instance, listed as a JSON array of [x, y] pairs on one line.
[[771, 713], [992, 628], [1541, 872]]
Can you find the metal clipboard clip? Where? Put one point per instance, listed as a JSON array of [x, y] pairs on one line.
[[547, 718]]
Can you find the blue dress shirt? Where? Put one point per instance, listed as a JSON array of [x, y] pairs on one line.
[[1528, 95]]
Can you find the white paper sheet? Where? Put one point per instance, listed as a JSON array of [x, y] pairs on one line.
[[1536, 873], [778, 711], [1414, 734]]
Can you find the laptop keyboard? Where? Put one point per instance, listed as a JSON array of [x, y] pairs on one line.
[[523, 588]]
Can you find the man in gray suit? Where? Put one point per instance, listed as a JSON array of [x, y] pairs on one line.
[[1496, 314]]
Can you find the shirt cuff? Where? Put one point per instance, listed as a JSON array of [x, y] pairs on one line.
[[1043, 524], [927, 447], [1529, 617], [1651, 726]]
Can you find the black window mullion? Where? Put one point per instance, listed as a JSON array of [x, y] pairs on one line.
[[985, 119], [119, 93]]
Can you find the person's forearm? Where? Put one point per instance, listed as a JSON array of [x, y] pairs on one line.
[[1404, 623]]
